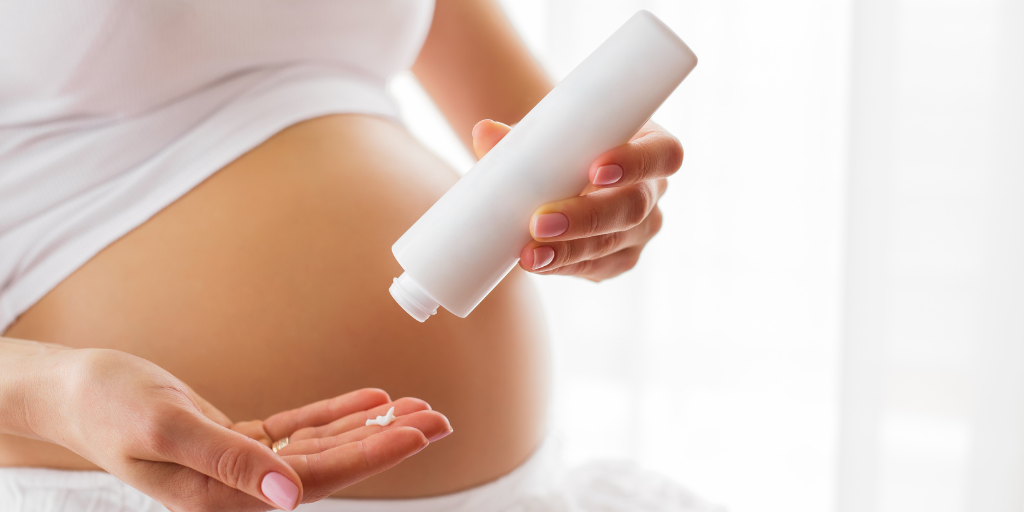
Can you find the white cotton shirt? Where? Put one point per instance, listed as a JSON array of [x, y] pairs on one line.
[[112, 109]]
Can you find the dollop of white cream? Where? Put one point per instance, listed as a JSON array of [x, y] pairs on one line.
[[383, 420]]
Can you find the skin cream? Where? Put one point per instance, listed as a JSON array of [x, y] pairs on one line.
[[383, 420], [459, 250]]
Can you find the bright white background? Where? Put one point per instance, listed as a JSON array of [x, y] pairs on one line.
[[833, 315]]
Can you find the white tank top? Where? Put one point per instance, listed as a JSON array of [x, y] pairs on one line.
[[112, 109]]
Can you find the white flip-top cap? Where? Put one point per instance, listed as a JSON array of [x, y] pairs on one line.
[[413, 299]]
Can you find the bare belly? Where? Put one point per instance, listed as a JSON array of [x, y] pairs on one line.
[[266, 287]]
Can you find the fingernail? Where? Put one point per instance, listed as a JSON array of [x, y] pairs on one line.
[[442, 435], [280, 490], [549, 225], [420, 448], [543, 256], [479, 124], [607, 174]]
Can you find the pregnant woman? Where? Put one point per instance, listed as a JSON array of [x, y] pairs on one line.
[[197, 204]]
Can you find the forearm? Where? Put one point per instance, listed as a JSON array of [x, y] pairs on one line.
[[30, 388], [475, 67]]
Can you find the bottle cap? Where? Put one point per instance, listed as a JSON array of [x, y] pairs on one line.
[[413, 299]]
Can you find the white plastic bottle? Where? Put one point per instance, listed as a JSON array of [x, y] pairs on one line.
[[459, 250]]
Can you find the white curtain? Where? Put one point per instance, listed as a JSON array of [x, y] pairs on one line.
[[833, 315], [933, 358]]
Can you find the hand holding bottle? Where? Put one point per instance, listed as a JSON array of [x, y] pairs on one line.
[[601, 233], [596, 119]]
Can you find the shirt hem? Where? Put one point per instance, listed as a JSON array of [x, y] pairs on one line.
[[222, 138]]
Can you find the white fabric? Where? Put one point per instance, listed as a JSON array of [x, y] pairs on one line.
[[539, 485], [111, 110], [932, 407]]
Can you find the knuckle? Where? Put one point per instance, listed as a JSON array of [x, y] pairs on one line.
[[660, 154], [565, 254], [607, 244], [232, 465], [306, 433], [591, 217], [314, 474], [630, 261], [156, 427], [592, 271], [656, 219], [577, 269], [638, 205], [364, 456], [662, 187], [644, 162], [673, 154]]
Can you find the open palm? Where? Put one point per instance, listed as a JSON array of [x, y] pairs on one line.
[[331, 447], [151, 430]]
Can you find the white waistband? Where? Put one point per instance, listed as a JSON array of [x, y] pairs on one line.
[[52, 490], [539, 485], [530, 478]]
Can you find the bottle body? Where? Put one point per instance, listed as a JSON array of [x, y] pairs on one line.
[[462, 247]]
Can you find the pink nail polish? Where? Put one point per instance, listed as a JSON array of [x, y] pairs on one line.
[[420, 449], [607, 174], [278, 489], [549, 225], [442, 435], [543, 256]]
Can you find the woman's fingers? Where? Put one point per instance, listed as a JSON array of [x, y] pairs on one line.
[[433, 425], [548, 257], [253, 429], [600, 233], [601, 268], [286, 423], [326, 472], [597, 213], [229, 457], [652, 155], [355, 420], [486, 135]]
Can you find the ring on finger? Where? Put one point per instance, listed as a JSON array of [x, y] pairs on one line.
[[279, 444]]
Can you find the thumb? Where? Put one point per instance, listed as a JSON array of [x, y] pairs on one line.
[[486, 134], [237, 461]]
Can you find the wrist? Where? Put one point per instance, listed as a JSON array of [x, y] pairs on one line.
[[30, 388]]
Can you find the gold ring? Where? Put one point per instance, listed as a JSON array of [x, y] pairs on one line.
[[279, 444]]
